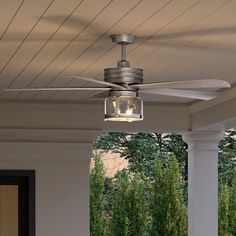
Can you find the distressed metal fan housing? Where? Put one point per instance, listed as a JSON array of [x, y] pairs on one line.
[[123, 104], [124, 84]]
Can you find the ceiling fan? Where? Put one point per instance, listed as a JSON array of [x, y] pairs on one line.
[[124, 84]]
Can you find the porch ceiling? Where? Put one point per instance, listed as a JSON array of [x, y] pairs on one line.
[[42, 41]]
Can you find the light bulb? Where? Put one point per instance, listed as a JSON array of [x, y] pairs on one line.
[[129, 111], [123, 108], [130, 107], [114, 104]]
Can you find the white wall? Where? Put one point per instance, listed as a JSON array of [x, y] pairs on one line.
[[62, 183]]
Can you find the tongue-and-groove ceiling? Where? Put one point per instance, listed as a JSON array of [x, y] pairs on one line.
[[43, 40]]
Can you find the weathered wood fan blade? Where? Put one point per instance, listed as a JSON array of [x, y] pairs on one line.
[[95, 81], [18, 36], [184, 93], [188, 84], [55, 89], [193, 46], [191, 33], [75, 21], [101, 95]]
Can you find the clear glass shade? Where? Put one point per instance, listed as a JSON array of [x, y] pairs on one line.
[[123, 108]]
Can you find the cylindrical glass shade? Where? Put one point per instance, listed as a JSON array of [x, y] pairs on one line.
[[123, 108]]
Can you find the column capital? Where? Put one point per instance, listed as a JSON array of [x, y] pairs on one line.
[[203, 140]]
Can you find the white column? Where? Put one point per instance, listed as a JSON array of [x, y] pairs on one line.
[[202, 182]]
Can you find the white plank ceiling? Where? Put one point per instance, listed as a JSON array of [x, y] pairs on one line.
[[41, 41]]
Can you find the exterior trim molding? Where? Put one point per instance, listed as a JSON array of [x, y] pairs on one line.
[[45, 152], [46, 145], [48, 135]]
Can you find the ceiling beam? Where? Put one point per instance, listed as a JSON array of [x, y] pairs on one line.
[[221, 115], [81, 116]]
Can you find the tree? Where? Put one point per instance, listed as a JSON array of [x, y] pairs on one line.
[[108, 187], [142, 149], [97, 221], [151, 161], [223, 205], [232, 205], [227, 154], [129, 206], [167, 209], [119, 222], [158, 206], [137, 207]]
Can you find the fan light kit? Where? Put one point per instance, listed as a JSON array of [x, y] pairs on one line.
[[123, 85], [123, 105]]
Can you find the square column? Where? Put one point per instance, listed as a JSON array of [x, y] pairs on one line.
[[202, 182], [61, 161]]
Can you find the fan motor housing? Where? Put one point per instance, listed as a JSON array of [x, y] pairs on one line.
[[123, 75]]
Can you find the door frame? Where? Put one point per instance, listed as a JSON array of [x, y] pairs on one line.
[[25, 180]]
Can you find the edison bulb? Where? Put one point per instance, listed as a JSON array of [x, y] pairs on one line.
[[123, 108]]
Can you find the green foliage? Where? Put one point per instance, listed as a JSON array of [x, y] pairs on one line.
[[167, 208], [232, 205], [223, 209], [129, 206], [142, 149], [137, 207], [227, 154], [119, 205], [96, 198], [148, 199]]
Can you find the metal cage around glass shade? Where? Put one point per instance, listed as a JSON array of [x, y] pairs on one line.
[[123, 108]]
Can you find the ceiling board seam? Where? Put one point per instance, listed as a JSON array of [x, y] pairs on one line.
[[172, 39], [91, 64], [189, 44], [74, 60], [73, 39], [188, 28], [166, 25], [121, 18], [218, 8], [138, 45], [15, 14], [180, 15], [40, 49], [162, 7], [27, 35], [185, 11]]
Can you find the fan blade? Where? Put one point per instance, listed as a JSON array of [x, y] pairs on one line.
[[74, 22], [198, 46], [95, 81], [101, 95], [228, 30], [187, 84], [18, 36], [55, 89], [184, 93]]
